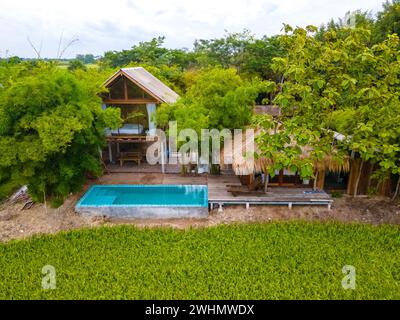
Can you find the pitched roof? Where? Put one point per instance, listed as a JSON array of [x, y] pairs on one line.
[[147, 82]]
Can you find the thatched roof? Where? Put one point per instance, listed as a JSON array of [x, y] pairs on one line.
[[244, 162]]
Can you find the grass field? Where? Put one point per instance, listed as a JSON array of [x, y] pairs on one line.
[[64, 65], [256, 261]]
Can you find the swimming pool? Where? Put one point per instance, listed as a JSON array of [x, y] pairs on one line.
[[145, 201]]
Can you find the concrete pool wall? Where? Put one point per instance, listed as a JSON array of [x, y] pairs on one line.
[[144, 212]]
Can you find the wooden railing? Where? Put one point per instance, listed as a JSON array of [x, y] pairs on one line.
[[130, 138]]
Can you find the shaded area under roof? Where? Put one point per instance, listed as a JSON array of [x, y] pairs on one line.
[[148, 82]]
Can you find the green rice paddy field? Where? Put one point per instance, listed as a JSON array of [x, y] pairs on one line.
[[254, 261]]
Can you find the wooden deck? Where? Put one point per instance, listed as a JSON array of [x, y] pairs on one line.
[[219, 195], [150, 178]]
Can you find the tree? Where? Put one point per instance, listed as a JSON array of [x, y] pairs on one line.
[[226, 52], [239, 50], [151, 53], [75, 65], [11, 60], [288, 145], [51, 128], [218, 98], [387, 21], [85, 58], [355, 19], [258, 57], [322, 79], [242, 51]]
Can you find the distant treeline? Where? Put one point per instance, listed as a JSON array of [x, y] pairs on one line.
[[240, 50], [243, 50]]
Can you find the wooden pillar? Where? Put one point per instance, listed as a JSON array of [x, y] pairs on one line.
[[320, 179], [250, 180], [162, 158], [280, 178], [355, 167], [110, 153]]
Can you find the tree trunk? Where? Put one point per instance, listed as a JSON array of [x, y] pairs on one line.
[[396, 192], [315, 181], [358, 178], [371, 170]]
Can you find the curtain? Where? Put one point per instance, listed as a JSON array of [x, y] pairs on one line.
[[151, 109]]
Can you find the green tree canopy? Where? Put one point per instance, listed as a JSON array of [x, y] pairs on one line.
[[76, 64], [85, 58], [149, 52], [239, 50], [345, 78], [217, 98], [388, 20], [51, 128]]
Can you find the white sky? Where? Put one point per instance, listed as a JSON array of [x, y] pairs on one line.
[[103, 25]]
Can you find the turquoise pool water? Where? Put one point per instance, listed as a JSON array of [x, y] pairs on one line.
[[145, 196]]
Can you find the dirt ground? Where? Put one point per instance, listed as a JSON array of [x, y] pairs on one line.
[[17, 224]]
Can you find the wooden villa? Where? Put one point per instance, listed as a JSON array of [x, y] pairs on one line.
[[138, 94]]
